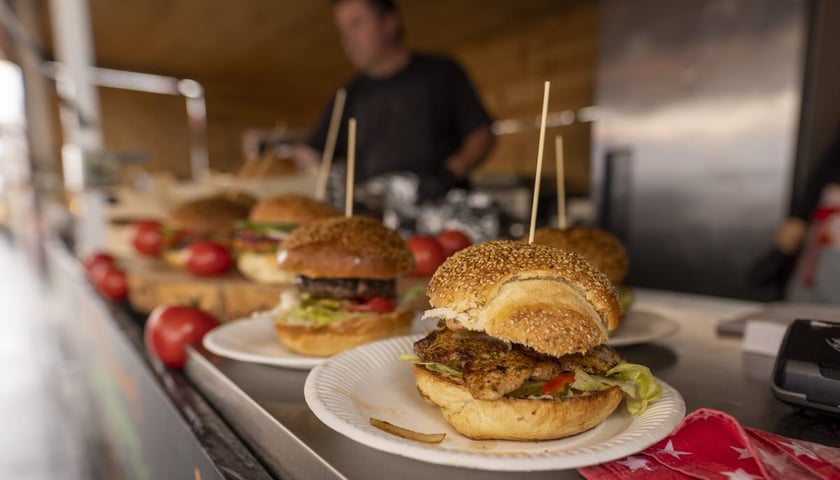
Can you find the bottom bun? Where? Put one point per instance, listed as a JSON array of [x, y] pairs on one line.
[[340, 336], [514, 418]]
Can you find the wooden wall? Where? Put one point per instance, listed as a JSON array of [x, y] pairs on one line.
[[508, 61], [510, 69]]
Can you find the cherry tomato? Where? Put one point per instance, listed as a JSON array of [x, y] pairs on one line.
[[148, 238], [428, 255], [97, 264], [375, 304], [170, 328], [452, 241], [206, 258], [112, 283]]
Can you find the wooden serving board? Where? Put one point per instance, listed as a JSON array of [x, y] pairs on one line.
[[229, 297]]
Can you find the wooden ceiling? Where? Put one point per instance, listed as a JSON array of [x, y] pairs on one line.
[[276, 48]]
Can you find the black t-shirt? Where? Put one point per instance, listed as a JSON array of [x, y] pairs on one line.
[[411, 121]]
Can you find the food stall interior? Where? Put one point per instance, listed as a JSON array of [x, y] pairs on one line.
[[689, 130]]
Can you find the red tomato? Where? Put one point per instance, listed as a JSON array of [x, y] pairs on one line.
[[148, 238], [97, 264], [558, 383], [96, 260], [112, 283], [428, 255], [375, 304], [171, 328], [206, 258], [452, 241]]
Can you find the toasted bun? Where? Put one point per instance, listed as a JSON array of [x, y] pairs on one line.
[[515, 418], [291, 208], [356, 247], [600, 247], [262, 268], [209, 214], [337, 337], [551, 300]]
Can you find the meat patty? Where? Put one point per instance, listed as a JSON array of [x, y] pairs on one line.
[[346, 288], [493, 368]]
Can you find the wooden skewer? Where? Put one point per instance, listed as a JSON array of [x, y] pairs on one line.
[[538, 175], [561, 183], [329, 146], [351, 167]]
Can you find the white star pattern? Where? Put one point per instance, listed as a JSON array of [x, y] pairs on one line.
[[635, 463], [739, 474], [742, 452], [702, 416], [799, 450], [778, 462], [669, 450]]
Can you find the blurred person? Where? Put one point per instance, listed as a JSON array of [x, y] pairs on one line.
[[417, 112], [776, 267]]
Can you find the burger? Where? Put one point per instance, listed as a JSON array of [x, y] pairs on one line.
[[519, 352], [600, 247], [268, 224], [209, 218], [345, 276]]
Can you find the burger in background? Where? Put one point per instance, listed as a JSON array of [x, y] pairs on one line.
[[601, 248], [209, 219], [519, 353], [345, 275], [269, 223]]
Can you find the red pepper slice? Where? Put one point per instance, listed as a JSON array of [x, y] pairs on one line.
[[375, 304], [558, 383]]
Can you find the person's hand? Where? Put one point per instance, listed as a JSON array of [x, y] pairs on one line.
[[791, 235]]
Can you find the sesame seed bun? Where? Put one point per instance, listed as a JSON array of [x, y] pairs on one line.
[[600, 247], [337, 337], [291, 208], [515, 418], [208, 214], [548, 299], [355, 247]]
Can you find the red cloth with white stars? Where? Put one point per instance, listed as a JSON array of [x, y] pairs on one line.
[[711, 445]]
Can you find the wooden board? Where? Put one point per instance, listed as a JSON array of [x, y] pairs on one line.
[[229, 297]]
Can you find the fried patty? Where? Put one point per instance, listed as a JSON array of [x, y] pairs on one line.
[[493, 368], [346, 288]]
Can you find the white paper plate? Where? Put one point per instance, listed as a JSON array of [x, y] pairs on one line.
[[253, 340], [370, 381], [642, 326]]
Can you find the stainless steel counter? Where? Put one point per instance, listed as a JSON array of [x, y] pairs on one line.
[[265, 405]]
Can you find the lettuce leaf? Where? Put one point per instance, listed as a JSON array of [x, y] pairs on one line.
[[431, 366], [647, 390], [319, 312], [625, 298], [528, 389]]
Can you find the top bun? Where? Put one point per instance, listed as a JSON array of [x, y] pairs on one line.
[[600, 247], [291, 208], [355, 247], [548, 299], [208, 214]]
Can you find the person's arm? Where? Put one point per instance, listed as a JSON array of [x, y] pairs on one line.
[[305, 157], [473, 123], [473, 152]]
